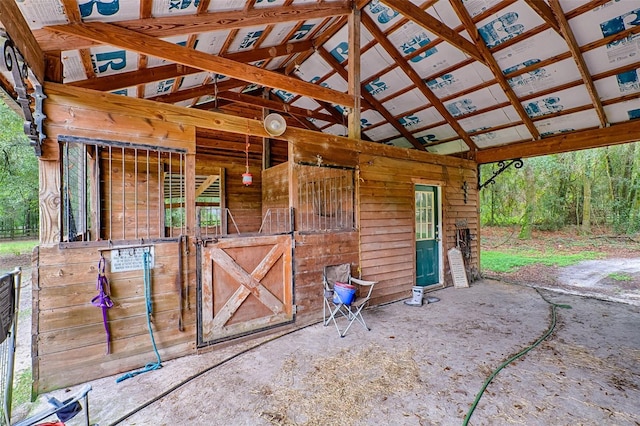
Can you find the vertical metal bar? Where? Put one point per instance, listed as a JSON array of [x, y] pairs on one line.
[[110, 194], [124, 207], [302, 208], [66, 190], [182, 196], [147, 175], [135, 191], [170, 195], [161, 205], [97, 175], [83, 192], [324, 205]]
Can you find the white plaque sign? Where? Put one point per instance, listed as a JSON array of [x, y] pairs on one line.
[[130, 259], [458, 271]]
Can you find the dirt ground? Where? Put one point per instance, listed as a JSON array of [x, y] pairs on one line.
[[614, 276], [429, 362]]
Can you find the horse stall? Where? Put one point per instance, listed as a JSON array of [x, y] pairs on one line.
[[154, 198]]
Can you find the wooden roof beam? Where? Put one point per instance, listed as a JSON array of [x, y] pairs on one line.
[[491, 62], [130, 40], [371, 99], [270, 52], [197, 92], [113, 82], [167, 26], [417, 81], [274, 105], [419, 16], [18, 29], [567, 33], [566, 142], [545, 13]]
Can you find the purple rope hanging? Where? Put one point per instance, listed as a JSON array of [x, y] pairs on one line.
[[103, 299]]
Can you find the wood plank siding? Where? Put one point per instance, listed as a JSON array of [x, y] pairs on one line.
[[69, 333], [371, 224]]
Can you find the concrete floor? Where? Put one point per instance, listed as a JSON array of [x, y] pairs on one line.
[[417, 366]]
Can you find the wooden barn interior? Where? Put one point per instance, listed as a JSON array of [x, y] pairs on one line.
[[224, 152]]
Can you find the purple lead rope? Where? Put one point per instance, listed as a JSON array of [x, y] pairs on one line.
[[103, 300]]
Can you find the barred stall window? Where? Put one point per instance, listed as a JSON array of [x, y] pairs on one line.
[[325, 199], [121, 191]]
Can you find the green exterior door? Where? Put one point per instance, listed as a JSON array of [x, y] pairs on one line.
[[427, 250]]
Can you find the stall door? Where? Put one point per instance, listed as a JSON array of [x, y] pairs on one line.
[[246, 286], [427, 240]]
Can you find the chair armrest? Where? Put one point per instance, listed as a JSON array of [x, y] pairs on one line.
[[362, 282]]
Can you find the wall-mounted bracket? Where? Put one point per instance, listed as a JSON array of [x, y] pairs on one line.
[[517, 163], [13, 62]]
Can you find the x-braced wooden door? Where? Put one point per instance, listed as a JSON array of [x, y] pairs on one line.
[[246, 286]]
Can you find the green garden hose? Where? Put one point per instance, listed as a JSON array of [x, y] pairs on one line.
[[554, 306]]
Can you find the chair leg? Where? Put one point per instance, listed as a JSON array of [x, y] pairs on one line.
[[353, 316], [339, 309]]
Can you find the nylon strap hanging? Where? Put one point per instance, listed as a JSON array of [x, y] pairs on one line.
[[147, 295], [103, 299]]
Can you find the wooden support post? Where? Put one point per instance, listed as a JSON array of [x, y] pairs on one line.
[[354, 73], [266, 142], [50, 202], [190, 193]]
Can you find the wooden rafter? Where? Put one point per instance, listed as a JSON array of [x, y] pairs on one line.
[[146, 8], [73, 15], [191, 44], [273, 105], [18, 29], [123, 38], [377, 106], [579, 60], [198, 91], [417, 80], [270, 52], [493, 10], [587, 7], [491, 62], [319, 41], [113, 82], [168, 26], [545, 13], [419, 16], [588, 138]]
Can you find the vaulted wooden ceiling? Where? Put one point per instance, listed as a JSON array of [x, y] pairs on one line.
[[483, 79]]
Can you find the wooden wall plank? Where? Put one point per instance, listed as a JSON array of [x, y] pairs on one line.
[[131, 127], [70, 329], [312, 253]]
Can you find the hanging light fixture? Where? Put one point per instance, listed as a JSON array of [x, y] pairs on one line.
[[247, 178], [275, 124]]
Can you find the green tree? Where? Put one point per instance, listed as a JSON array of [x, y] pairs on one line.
[[529, 202], [622, 169], [18, 173], [586, 189]]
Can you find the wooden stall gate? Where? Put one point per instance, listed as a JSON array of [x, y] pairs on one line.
[[246, 285]]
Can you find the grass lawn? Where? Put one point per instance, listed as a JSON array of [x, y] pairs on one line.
[[17, 247], [511, 260]]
